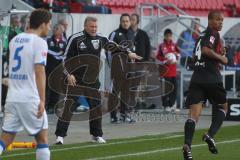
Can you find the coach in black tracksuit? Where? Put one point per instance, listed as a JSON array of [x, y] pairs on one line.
[[89, 43], [120, 35]]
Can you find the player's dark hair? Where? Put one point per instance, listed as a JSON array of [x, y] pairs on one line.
[[38, 17], [212, 13], [137, 16], [124, 15], [167, 31]]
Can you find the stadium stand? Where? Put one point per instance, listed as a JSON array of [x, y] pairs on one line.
[[192, 7]]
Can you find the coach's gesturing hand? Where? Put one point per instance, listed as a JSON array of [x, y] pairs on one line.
[[41, 109], [71, 80], [134, 56]]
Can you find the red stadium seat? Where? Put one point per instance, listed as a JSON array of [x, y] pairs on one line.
[[197, 7], [75, 7]]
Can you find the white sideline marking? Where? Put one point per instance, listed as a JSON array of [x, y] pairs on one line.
[[95, 145], [156, 151]]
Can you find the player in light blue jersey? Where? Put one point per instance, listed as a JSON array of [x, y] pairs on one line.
[[26, 95]]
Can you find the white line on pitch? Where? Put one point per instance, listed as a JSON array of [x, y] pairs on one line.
[[156, 151], [97, 145]]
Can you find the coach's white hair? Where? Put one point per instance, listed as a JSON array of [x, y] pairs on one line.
[[89, 18]]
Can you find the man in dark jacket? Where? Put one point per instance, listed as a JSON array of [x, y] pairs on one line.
[[87, 42], [141, 40], [56, 46], [123, 36]]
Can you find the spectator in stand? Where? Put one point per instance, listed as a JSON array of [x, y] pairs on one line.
[[24, 23], [236, 58], [166, 53], [186, 44], [14, 27]]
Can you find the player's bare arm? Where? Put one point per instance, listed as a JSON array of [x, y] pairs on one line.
[[41, 83], [211, 54]]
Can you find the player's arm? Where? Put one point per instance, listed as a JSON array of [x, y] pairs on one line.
[[40, 60], [208, 43], [41, 85], [159, 57], [211, 54], [70, 52]]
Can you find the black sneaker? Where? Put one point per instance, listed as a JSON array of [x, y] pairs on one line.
[[187, 154], [211, 143]]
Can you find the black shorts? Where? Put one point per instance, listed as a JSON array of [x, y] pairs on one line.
[[200, 92]]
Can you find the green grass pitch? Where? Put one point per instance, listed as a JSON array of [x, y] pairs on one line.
[[157, 147]]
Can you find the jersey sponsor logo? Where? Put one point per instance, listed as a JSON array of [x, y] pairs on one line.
[[235, 110], [212, 39], [22, 40], [197, 64], [18, 76], [95, 44], [82, 46]]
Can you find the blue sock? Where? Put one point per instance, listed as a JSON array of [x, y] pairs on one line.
[[42, 152], [2, 147]]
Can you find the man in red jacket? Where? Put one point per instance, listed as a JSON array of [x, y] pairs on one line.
[[168, 54]]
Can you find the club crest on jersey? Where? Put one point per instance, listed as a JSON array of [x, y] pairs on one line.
[[61, 45], [95, 44], [212, 39], [82, 46], [44, 54]]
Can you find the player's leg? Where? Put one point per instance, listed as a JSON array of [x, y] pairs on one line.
[[11, 125], [5, 140], [42, 152], [195, 100], [36, 127], [189, 129], [217, 96], [218, 118]]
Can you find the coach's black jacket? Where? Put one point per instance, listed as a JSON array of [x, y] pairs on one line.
[[142, 44], [83, 44]]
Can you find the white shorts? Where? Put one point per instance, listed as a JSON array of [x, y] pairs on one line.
[[19, 115]]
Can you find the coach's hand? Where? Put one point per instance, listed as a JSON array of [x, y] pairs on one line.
[[134, 56], [71, 80], [41, 109]]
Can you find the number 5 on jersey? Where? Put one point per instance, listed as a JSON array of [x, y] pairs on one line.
[[17, 58]]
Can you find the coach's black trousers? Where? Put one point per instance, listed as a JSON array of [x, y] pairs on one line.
[[95, 118]]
